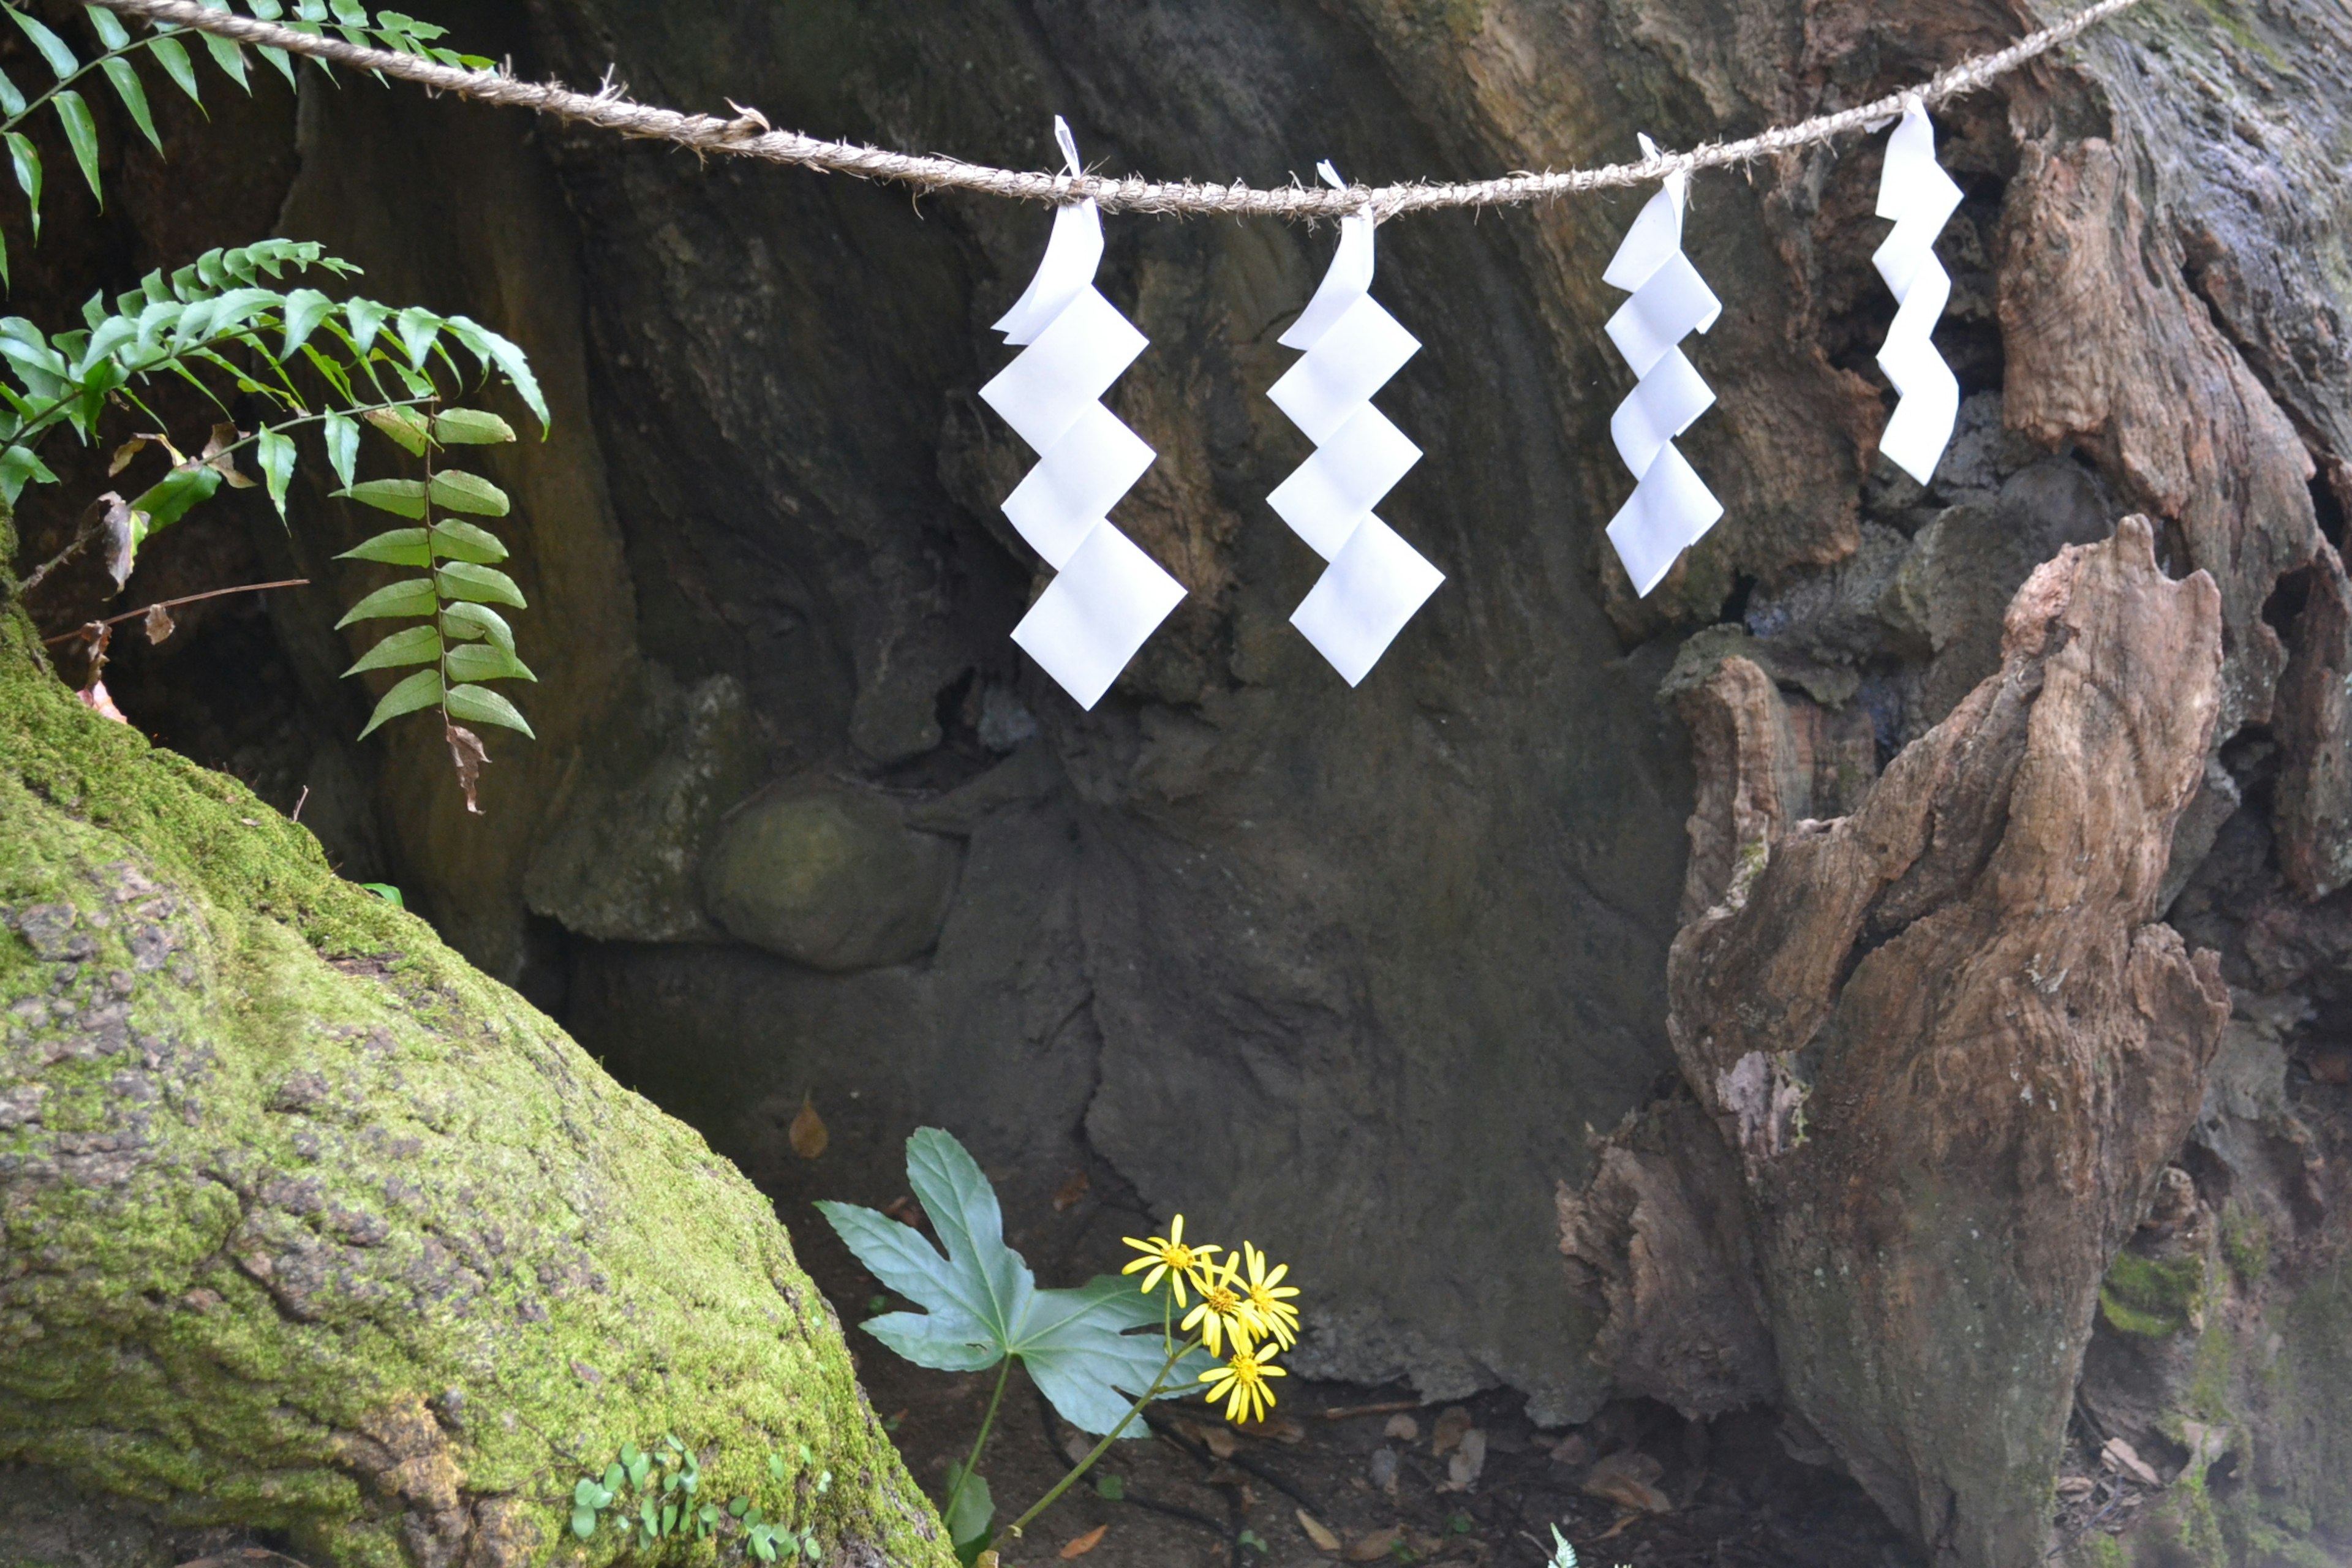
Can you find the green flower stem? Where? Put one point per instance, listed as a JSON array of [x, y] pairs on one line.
[[1159, 1386], [973, 1463]]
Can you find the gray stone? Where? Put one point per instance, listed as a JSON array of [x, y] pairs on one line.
[[829, 875], [619, 863]]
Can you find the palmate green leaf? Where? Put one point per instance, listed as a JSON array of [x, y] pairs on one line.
[[394, 547], [458, 491], [422, 689], [463, 542], [983, 1304], [463, 621], [479, 584], [414, 645], [482, 661], [81, 134], [410, 596], [133, 93]]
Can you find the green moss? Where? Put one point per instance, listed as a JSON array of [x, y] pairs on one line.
[[2245, 1242], [2152, 1297], [313, 1228]]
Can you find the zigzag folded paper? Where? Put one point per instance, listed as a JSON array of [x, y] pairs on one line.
[[1919, 197], [1670, 508], [1108, 595], [1375, 581]]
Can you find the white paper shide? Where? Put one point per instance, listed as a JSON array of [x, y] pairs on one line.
[[1375, 580], [1108, 595], [1670, 508], [1919, 197]]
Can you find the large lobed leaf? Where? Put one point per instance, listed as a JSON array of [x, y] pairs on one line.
[[983, 1302]]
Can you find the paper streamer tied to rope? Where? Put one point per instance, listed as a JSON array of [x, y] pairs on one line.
[[1919, 197], [1108, 595], [1670, 507], [1375, 581]]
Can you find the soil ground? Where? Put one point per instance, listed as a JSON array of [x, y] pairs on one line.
[[1197, 1492]]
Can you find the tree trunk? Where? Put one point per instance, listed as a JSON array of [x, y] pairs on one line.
[[311, 1228], [1887, 792]]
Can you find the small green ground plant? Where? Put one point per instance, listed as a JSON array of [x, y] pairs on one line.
[[649, 1496]]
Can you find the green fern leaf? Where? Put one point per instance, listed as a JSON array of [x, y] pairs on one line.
[[127, 87], [471, 427], [422, 689], [414, 645], [481, 584], [481, 661], [172, 56], [81, 133], [463, 541], [410, 596], [483, 706], [274, 455], [394, 547], [458, 491], [53, 49], [27, 159], [464, 621], [12, 101], [343, 434], [402, 498], [111, 33]]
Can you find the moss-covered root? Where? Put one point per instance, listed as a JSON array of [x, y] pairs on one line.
[[307, 1226]]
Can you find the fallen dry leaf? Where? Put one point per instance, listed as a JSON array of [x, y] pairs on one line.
[[1446, 1436], [159, 624], [1403, 1429], [1572, 1449], [808, 1134], [1378, 1544], [1218, 1438], [1619, 1528], [1628, 1479], [2075, 1486], [2331, 1067], [1318, 1532], [2122, 1456], [1085, 1544], [905, 1210], [94, 697], [1071, 1190], [1469, 1459], [1383, 1470], [1274, 1429]]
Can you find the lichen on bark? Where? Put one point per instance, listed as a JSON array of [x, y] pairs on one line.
[[307, 1226]]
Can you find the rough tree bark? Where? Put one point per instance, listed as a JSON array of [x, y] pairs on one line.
[[307, 1226]]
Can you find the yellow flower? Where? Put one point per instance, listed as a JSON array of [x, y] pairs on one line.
[[1168, 1255], [1222, 1311], [1266, 1296], [1241, 1381]]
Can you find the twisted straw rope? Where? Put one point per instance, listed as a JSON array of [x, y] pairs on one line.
[[748, 136]]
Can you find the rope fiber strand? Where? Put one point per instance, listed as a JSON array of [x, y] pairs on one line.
[[749, 136]]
